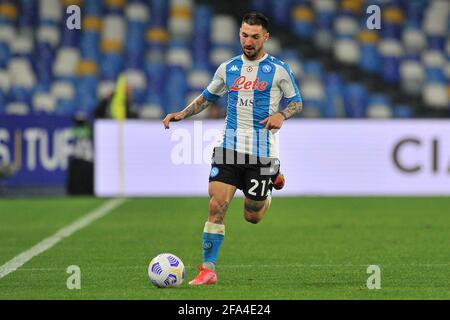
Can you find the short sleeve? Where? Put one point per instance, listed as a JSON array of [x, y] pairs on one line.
[[217, 86], [288, 86]]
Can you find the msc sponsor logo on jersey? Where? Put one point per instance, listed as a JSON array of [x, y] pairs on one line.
[[242, 83], [245, 102]]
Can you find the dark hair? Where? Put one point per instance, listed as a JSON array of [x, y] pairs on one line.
[[256, 18]]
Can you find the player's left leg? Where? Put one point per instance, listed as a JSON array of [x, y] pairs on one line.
[[254, 210], [258, 193]]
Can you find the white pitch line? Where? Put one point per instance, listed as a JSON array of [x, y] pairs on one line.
[[18, 261]]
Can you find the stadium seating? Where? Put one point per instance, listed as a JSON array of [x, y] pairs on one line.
[[169, 51]]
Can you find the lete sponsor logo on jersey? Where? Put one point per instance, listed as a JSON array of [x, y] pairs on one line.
[[242, 83]]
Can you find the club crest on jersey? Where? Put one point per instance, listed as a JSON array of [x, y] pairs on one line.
[[242, 83], [267, 68]]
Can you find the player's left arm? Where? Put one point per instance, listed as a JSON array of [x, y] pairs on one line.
[[291, 109], [295, 104], [276, 120]]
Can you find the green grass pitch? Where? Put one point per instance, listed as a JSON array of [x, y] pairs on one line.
[[305, 248]]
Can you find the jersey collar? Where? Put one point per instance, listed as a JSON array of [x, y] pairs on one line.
[[244, 58]]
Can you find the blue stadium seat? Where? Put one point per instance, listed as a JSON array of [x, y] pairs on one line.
[[9, 13], [402, 111], [159, 10], [155, 73], [436, 41], [325, 16], [334, 96], [369, 56], [3, 101], [356, 99], [325, 13], [89, 46], [114, 7], [176, 80], [43, 62], [201, 38], [303, 21], [312, 69], [280, 9], [111, 65], [134, 59], [135, 37], [390, 55], [435, 74], [66, 107], [379, 106], [41, 87], [27, 17], [93, 8], [393, 19], [5, 54], [261, 6], [20, 94]]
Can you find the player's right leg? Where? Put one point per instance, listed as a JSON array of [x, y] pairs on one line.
[[220, 195]]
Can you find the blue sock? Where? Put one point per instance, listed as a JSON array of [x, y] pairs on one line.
[[213, 235]]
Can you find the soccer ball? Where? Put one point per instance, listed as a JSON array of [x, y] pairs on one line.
[[166, 270]]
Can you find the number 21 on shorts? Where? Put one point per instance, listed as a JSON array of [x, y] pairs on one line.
[[255, 184]]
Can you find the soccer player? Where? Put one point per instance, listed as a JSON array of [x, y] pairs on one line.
[[246, 156]]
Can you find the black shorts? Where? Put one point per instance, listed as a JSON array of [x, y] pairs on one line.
[[253, 175]]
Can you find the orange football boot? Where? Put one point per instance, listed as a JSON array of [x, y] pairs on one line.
[[206, 276], [279, 181]]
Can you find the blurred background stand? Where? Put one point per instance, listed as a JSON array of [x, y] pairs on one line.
[[80, 175]]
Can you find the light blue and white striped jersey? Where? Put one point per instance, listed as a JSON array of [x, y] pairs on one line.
[[255, 89]]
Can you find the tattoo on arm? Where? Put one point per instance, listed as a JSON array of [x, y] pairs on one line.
[[292, 109], [196, 106]]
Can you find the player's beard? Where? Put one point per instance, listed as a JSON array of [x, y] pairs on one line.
[[252, 54]]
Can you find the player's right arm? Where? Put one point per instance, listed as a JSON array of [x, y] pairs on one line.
[[209, 96], [198, 105]]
